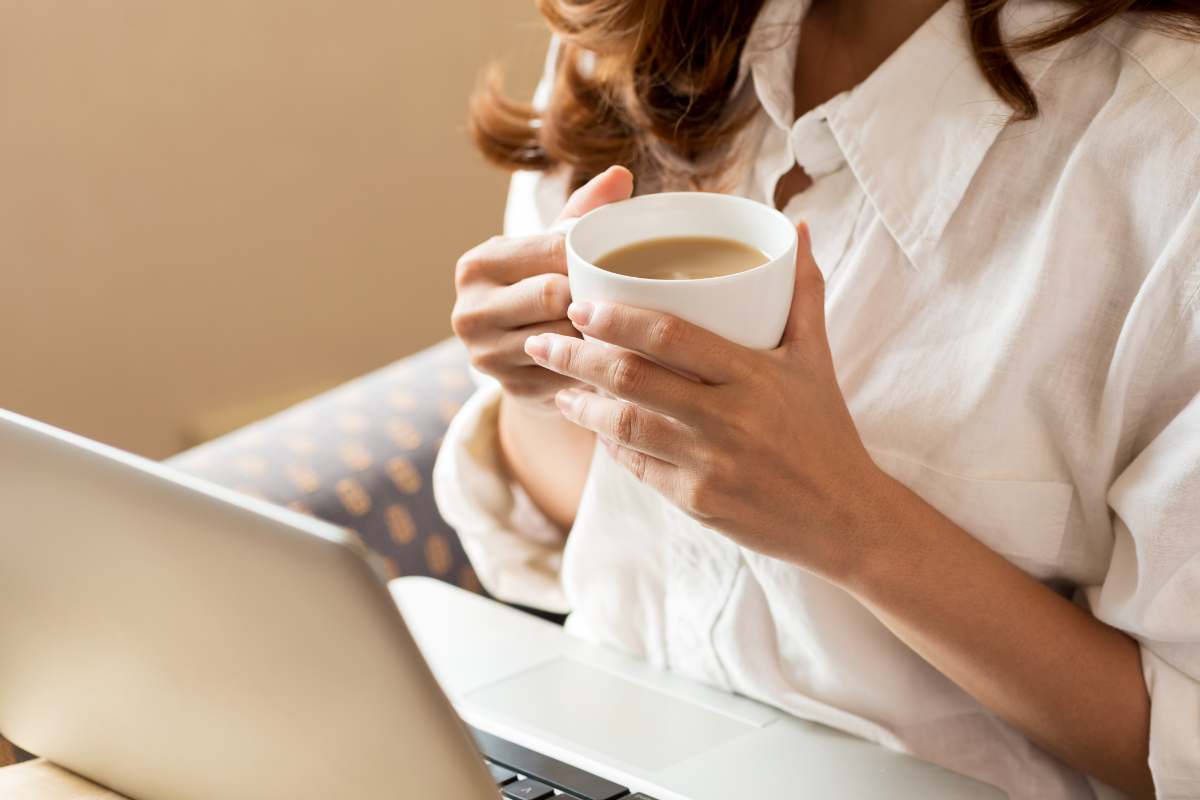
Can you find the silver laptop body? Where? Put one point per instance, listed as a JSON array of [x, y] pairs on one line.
[[171, 639]]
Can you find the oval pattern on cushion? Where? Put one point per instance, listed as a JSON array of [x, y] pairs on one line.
[[360, 456]]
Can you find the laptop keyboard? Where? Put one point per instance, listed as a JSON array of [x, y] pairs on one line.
[[523, 774]]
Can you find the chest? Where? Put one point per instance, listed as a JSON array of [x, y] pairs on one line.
[[977, 376]]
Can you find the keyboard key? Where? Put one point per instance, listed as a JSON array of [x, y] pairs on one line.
[[564, 777], [502, 776], [527, 790]]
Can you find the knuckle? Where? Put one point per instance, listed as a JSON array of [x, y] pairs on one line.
[[691, 499], [468, 268], [626, 373], [466, 322], [666, 333], [700, 498], [556, 247], [489, 360], [476, 263], [625, 424], [457, 322], [637, 462], [563, 357], [720, 471], [750, 366], [572, 357], [736, 420], [553, 296], [740, 362]]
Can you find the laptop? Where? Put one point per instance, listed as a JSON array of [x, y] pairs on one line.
[[174, 640]]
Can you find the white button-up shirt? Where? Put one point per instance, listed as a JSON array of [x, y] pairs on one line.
[[1014, 318]]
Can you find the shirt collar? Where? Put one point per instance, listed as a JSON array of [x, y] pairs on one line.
[[769, 57], [917, 129]]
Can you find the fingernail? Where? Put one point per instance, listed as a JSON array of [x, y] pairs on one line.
[[568, 401], [537, 347], [580, 312]]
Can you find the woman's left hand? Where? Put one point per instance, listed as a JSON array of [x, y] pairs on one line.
[[758, 445]]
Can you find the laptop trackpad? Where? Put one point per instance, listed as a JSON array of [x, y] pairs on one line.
[[606, 714]]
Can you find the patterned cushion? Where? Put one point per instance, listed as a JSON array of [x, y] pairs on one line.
[[359, 456]]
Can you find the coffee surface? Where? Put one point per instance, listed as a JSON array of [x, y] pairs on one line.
[[683, 258]]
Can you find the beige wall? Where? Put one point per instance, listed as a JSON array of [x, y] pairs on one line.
[[204, 204]]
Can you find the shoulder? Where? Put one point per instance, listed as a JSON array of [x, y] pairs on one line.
[[1165, 67], [1122, 134], [1112, 167], [1131, 88], [1158, 86]]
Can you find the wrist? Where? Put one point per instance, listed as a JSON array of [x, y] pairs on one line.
[[546, 455], [882, 539]]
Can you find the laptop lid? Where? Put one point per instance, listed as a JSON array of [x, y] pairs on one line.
[[170, 638]]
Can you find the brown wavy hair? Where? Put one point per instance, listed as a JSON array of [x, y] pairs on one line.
[[658, 94]]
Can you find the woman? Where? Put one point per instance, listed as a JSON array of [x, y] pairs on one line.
[[957, 511]]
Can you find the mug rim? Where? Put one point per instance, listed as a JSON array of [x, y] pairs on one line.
[[718, 196]]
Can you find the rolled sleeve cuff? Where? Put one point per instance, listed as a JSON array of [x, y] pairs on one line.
[[1174, 728], [515, 550]]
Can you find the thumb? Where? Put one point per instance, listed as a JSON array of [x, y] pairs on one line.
[[806, 320], [615, 183]]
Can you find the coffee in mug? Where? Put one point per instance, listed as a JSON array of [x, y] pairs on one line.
[[683, 258], [745, 301]]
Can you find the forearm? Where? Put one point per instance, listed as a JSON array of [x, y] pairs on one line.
[[548, 456], [1071, 683]]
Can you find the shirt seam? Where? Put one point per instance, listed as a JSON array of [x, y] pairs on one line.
[[1151, 74], [1161, 362], [886, 451]]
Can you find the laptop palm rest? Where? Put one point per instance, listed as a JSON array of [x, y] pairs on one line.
[[601, 713]]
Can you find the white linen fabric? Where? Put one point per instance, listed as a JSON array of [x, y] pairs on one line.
[[1014, 317]]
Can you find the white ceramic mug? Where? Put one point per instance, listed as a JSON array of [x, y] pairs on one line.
[[750, 308]]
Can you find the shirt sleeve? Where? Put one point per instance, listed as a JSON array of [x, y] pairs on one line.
[[1152, 586], [536, 198], [515, 550]]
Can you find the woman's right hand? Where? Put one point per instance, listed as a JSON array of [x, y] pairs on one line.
[[509, 289]]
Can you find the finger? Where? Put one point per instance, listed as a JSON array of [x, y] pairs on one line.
[[653, 472], [666, 339], [529, 301], [626, 424], [615, 183], [507, 350], [504, 260], [533, 382], [807, 316], [622, 373]]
